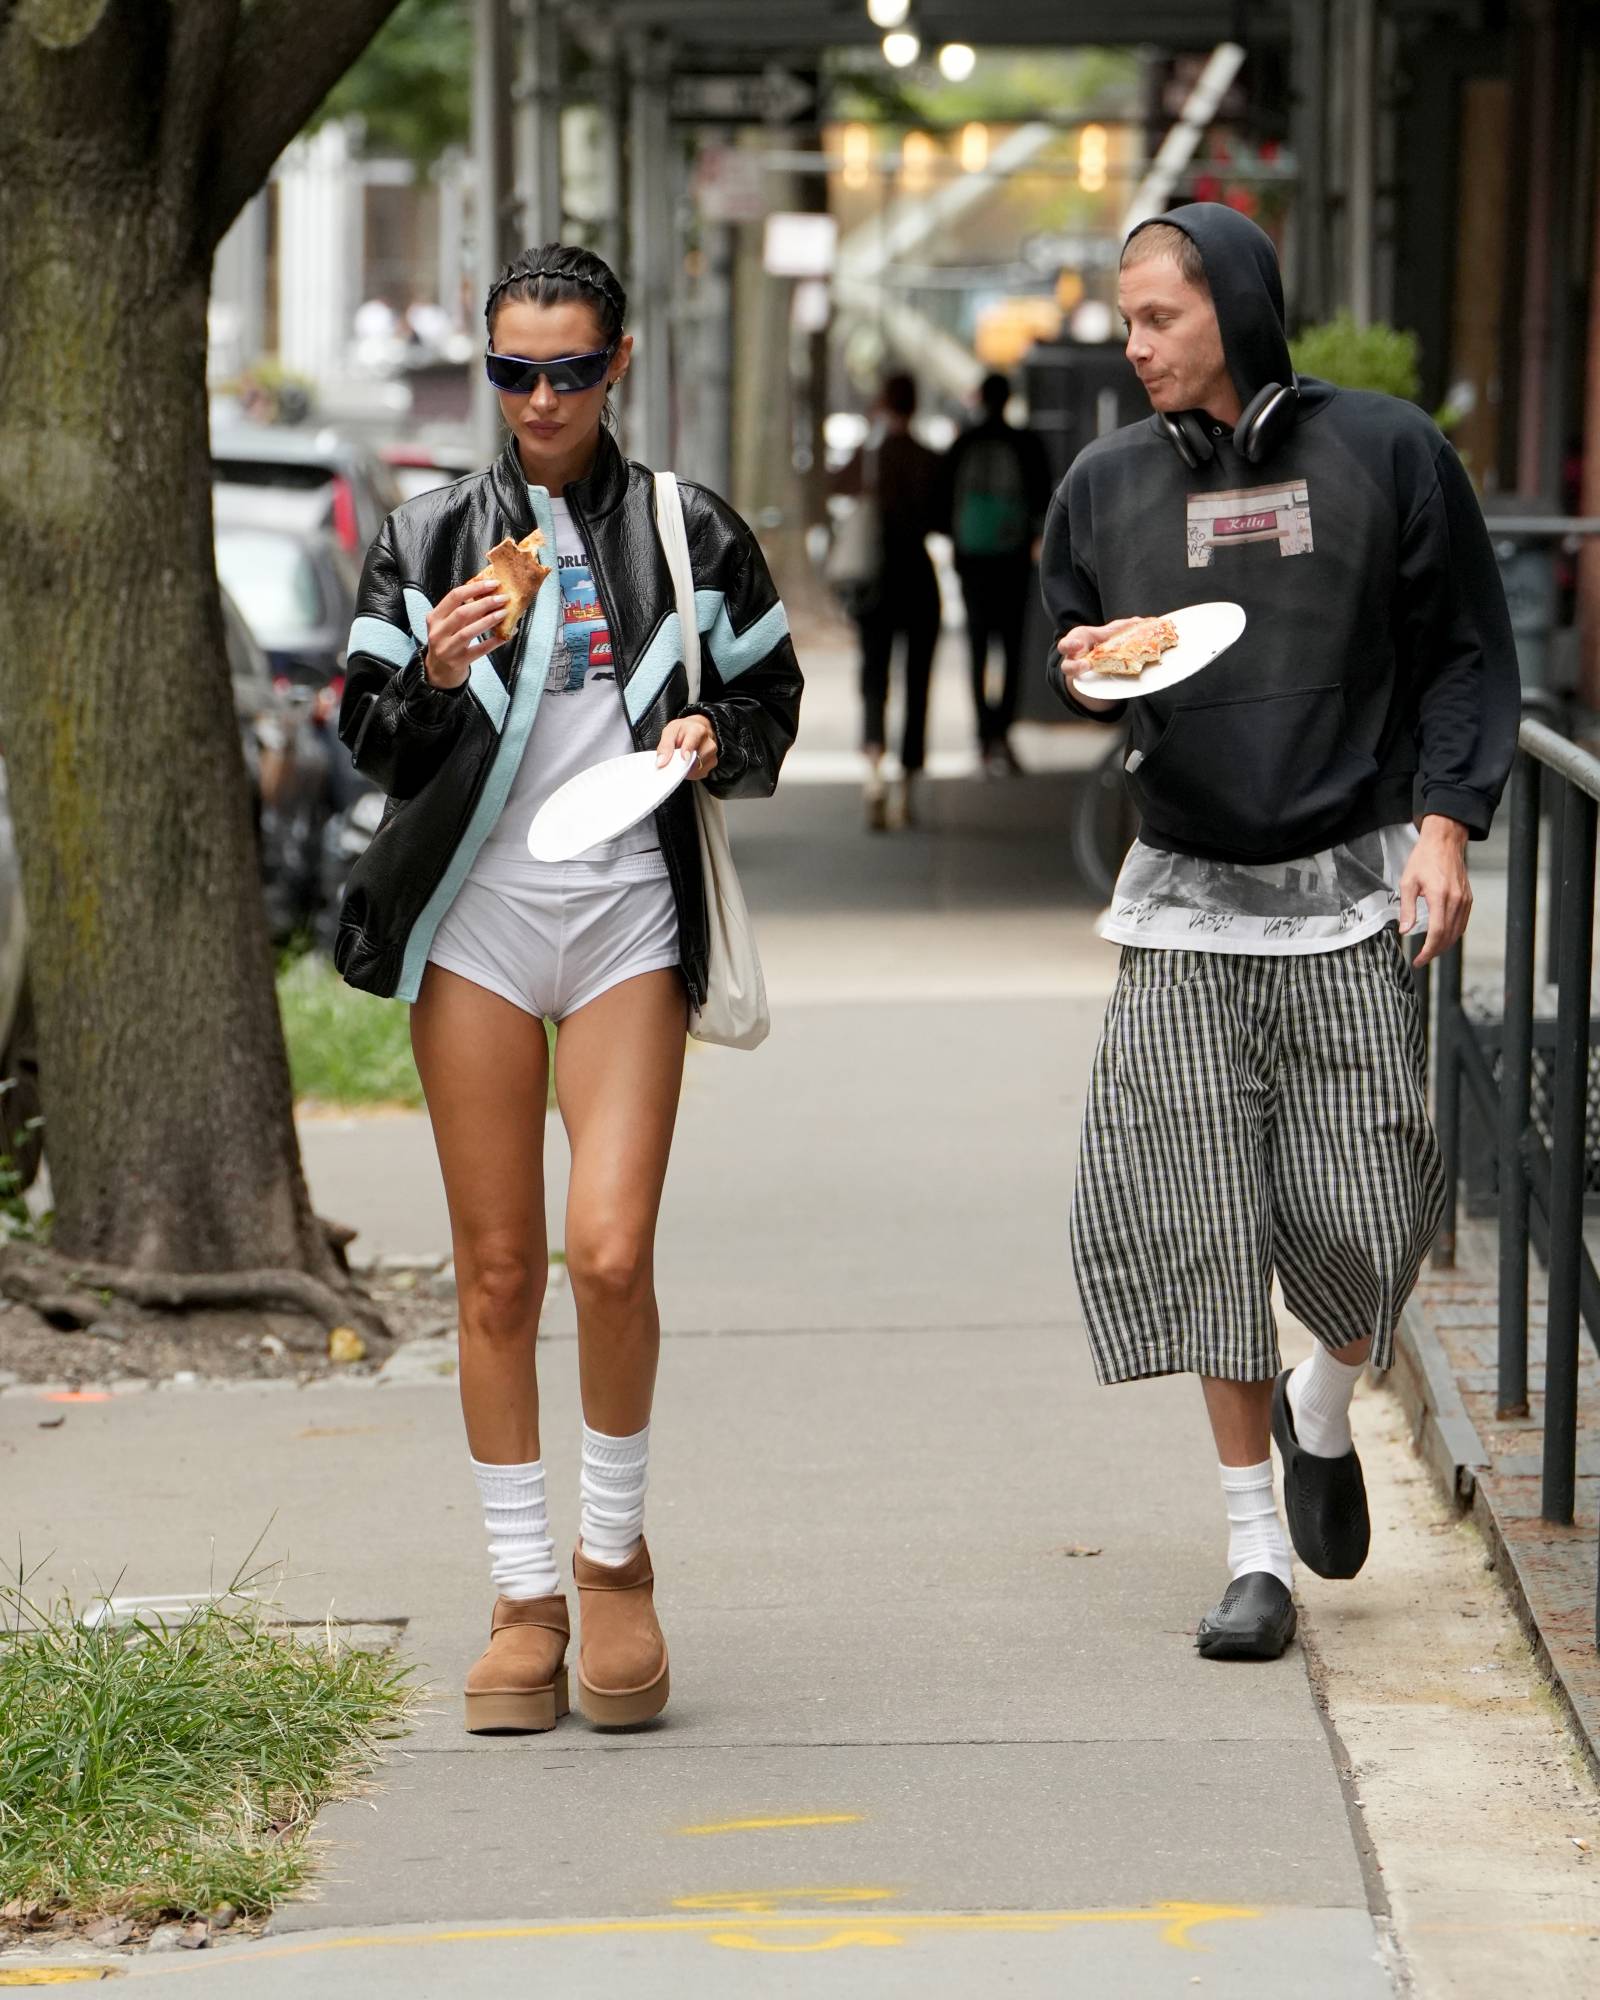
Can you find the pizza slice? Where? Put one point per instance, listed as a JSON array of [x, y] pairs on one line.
[[516, 567], [1126, 654]]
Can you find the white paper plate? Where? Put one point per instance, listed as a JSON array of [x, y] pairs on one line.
[[1204, 631], [602, 802]]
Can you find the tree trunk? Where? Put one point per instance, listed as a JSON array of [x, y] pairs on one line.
[[168, 1122]]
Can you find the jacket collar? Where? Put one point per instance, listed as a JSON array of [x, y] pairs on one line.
[[598, 494]]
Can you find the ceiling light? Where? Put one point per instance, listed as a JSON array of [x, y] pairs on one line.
[[973, 149], [856, 147], [1092, 159], [887, 13], [957, 60], [918, 155], [900, 51]]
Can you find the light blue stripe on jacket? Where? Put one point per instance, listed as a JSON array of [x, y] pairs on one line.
[[731, 653], [543, 627]]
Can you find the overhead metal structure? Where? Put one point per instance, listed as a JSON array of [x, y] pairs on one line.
[[724, 27], [640, 54]]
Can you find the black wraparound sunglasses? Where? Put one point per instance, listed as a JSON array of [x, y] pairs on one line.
[[517, 375]]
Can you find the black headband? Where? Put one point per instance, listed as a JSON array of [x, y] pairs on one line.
[[567, 277]]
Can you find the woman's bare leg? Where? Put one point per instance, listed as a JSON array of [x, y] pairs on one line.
[[484, 1066], [619, 1068]]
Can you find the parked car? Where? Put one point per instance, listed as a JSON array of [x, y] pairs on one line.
[[418, 468], [345, 838], [352, 486], [287, 758], [289, 577], [21, 1130]]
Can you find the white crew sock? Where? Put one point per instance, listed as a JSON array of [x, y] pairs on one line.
[[1256, 1536], [521, 1554], [611, 1490], [1320, 1389]]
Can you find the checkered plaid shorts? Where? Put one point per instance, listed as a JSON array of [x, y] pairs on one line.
[[1252, 1115]]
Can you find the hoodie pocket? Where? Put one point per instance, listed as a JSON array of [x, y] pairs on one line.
[[1272, 777]]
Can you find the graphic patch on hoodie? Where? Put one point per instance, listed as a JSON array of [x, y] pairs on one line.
[[1280, 514]]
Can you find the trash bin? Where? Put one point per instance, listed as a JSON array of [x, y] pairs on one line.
[[1528, 577]]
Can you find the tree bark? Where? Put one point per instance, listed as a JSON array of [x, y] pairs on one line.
[[167, 1103]]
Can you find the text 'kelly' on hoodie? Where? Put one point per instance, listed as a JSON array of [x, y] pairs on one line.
[[1376, 678]]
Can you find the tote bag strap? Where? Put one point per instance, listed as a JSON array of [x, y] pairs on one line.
[[675, 541]]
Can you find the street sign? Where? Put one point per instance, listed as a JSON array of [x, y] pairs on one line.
[[800, 245], [773, 96], [728, 185], [1053, 250]]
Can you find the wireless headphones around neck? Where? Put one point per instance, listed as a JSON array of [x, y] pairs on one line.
[[1264, 423]]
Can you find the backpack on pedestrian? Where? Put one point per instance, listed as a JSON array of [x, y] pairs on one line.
[[989, 505]]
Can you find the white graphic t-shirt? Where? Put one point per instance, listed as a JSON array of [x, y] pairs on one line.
[[1177, 902], [581, 721]]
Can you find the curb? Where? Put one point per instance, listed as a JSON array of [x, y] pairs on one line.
[[1448, 1442], [1441, 1431]]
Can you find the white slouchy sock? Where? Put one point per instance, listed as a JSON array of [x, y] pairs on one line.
[[1257, 1539], [521, 1554], [611, 1490], [1320, 1389]]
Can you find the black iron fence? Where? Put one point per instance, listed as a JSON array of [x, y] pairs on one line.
[[1525, 1072]]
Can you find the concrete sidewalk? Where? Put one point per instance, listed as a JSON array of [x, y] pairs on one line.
[[876, 1440], [938, 1727]]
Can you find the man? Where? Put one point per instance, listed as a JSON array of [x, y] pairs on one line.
[[1257, 1103], [999, 488], [900, 477]]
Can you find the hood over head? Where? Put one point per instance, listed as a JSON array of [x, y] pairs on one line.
[[1246, 288]]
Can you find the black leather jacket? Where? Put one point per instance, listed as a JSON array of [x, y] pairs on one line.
[[446, 757]]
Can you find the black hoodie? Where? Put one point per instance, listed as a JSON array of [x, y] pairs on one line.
[[1376, 677]]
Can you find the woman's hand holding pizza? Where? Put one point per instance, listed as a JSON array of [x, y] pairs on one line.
[[456, 626]]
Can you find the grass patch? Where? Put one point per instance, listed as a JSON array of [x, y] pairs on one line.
[[345, 1047], [150, 1770]]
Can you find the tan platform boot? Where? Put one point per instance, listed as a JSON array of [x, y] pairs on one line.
[[622, 1657], [520, 1683]]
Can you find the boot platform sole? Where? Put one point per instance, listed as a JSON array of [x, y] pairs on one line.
[[523, 1712], [622, 1711]]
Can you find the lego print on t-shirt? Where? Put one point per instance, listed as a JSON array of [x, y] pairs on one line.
[[1280, 514], [583, 652]]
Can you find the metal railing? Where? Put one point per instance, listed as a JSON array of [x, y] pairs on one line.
[[1540, 1173]]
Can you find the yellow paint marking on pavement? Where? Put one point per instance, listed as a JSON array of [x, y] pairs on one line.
[[760, 1825], [763, 1902], [55, 1975], [1176, 1921], [841, 1941]]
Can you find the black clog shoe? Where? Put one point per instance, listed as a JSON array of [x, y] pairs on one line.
[[1325, 1498], [1254, 1621]]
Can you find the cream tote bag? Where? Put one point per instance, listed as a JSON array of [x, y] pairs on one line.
[[735, 1013]]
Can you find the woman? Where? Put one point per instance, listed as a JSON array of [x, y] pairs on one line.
[[905, 479], [468, 736]]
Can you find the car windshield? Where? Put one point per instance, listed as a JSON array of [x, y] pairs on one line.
[[272, 579]]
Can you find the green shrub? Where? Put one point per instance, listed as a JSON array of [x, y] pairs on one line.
[[1359, 357]]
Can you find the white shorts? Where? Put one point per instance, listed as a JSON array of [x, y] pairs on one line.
[[550, 940]]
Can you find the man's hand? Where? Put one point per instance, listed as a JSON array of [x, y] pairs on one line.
[[1078, 642], [1437, 872]]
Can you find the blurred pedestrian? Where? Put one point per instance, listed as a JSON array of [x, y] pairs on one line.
[[375, 320], [998, 479], [469, 732], [902, 480], [1258, 1105]]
